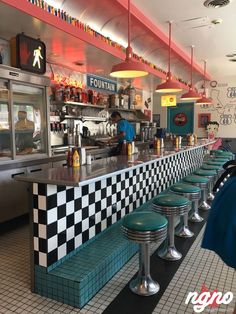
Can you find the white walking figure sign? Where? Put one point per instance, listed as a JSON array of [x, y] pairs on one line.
[[37, 57]]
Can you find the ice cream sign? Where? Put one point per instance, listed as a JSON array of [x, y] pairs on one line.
[[28, 54]]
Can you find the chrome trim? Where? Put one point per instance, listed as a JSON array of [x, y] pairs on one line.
[[170, 211], [145, 236], [190, 196], [18, 75]]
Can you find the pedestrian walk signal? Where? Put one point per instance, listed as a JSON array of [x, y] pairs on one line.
[[28, 54]]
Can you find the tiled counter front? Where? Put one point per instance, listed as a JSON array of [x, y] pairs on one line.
[[67, 217]]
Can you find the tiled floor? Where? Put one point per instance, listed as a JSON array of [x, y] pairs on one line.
[[199, 266]]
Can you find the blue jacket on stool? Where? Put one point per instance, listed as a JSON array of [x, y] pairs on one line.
[[220, 232]]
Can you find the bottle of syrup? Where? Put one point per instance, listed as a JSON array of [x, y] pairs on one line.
[[76, 159]]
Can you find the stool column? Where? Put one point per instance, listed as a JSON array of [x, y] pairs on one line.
[[143, 284], [210, 196], [195, 217], [204, 205], [168, 251], [183, 230]]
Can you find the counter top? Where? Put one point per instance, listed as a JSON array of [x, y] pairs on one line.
[[101, 169]]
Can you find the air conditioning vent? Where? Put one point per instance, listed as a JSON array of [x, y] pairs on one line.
[[215, 4], [232, 60]]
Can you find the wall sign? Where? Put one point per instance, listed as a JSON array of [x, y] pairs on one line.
[[203, 119], [168, 100], [100, 83], [28, 54], [180, 119]]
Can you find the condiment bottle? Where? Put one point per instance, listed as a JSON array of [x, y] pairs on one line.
[[124, 148], [129, 150], [69, 159], [158, 143], [76, 159]]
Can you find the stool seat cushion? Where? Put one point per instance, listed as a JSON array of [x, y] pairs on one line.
[[144, 221], [170, 200], [196, 179], [210, 167], [225, 159], [185, 188], [216, 163], [207, 173], [224, 154]]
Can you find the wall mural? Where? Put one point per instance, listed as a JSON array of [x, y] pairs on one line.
[[224, 103]]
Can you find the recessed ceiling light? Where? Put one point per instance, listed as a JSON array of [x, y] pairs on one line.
[[231, 55], [217, 21], [79, 63]]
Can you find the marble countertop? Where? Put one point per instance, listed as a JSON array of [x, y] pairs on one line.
[[101, 169]]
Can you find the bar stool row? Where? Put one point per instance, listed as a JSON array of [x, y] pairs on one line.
[[158, 224]]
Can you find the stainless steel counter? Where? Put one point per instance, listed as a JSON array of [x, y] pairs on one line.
[[100, 169]]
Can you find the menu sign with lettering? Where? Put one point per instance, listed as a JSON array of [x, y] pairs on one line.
[[28, 54]]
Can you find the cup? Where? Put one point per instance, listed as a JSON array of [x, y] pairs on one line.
[[88, 160]]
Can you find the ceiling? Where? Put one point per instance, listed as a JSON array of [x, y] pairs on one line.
[[212, 42]]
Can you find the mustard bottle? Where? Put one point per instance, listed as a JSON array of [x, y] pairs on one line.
[[129, 150], [76, 159], [158, 143]]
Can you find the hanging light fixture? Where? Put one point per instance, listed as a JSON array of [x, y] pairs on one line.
[[129, 68], [204, 100], [169, 86], [191, 94]]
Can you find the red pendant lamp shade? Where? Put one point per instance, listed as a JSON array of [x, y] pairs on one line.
[[129, 68], [204, 100], [169, 86], [191, 94]]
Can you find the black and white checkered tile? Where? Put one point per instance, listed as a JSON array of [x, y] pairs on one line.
[[66, 217]]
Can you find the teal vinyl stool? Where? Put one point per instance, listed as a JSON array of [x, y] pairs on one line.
[[202, 183], [193, 193], [221, 153], [219, 169], [144, 227], [170, 205], [212, 176]]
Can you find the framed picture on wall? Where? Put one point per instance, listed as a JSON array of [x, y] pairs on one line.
[[203, 119], [157, 119]]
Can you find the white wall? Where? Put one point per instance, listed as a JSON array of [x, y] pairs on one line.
[[223, 109]]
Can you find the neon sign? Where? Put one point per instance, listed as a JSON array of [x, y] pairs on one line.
[[67, 81]]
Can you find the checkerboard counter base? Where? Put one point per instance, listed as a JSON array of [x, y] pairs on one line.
[[69, 221]]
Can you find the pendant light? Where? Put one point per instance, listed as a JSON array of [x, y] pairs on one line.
[[191, 94], [204, 100], [129, 68], [169, 86]]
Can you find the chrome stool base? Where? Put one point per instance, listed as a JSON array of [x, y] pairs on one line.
[[182, 229], [210, 196], [169, 253], [195, 217], [184, 232], [144, 286], [204, 206]]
